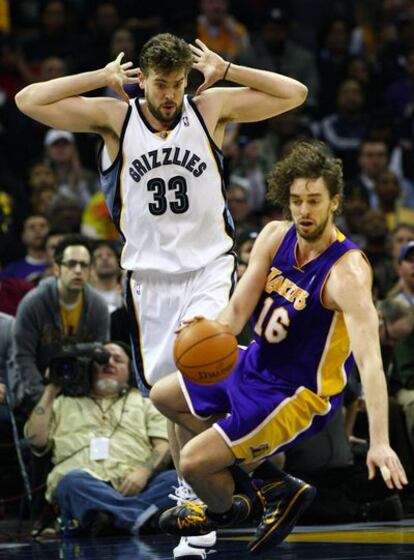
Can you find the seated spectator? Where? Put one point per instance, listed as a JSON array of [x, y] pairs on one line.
[[61, 310], [403, 372], [31, 266], [333, 57], [351, 222], [110, 451], [250, 169], [402, 234], [240, 210], [106, 274], [11, 393], [65, 212], [53, 238], [389, 193], [401, 93], [219, 30], [72, 178], [8, 367], [375, 233], [344, 129]]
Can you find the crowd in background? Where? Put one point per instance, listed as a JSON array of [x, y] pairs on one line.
[[356, 58]]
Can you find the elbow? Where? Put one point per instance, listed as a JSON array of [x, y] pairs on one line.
[[22, 99], [301, 94]]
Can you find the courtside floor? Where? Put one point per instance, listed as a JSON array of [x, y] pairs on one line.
[[373, 541]]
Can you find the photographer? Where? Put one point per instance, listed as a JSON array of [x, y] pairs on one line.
[[62, 309], [109, 450]]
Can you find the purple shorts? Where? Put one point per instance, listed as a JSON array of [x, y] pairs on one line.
[[264, 414]]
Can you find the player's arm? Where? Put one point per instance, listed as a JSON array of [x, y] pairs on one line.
[[349, 290], [265, 94], [59, 103], [251, 284]]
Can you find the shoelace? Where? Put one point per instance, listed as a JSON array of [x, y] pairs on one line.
[[183, 494]]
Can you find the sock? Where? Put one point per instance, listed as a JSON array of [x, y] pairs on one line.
[[239, 509], [243, 482]]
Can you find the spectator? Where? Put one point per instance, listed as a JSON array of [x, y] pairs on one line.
[[404, 350], [110, 450], [8, 367], [388, 191], [250, 169], [401, 93], [376, 249], [61, 310], [402, 234], [42, 200], [31, 266], [351, 222], [106, 274], [219, 30], [344, 129], [53, 238], [372, 160], [53, 67], [62, 154], [123, 40], [12, 291], [273, 50], [240, 210], [332, 62], [65, 212]]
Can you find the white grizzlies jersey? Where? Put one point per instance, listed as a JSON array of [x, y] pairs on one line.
[[165, 191]]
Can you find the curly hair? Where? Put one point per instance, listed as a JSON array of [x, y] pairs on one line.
[[165, 52], [307, 160]]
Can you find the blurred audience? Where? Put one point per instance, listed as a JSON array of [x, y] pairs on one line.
[[106, 274]]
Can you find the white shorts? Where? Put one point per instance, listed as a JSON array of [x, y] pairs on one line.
[[158, 303]]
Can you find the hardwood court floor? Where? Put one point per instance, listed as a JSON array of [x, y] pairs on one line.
[[342, 542]]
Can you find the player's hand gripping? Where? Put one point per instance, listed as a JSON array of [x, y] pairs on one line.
[[392, 471], [209, 63], [119, 74]]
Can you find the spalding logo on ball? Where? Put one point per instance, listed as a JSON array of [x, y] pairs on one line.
[[206, 351]]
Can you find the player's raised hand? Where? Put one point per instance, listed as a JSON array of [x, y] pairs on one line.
[[392, 471], [209, 63], [119, 73]]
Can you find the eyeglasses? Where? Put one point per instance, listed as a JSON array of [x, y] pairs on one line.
[[72, 264]]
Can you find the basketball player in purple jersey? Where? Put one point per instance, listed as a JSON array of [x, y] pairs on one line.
[[308, 290]]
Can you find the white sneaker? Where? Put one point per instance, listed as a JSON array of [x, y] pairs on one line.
[[184, 493], [184, 549]]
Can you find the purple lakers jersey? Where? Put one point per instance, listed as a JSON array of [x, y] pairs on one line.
[[297, 338]]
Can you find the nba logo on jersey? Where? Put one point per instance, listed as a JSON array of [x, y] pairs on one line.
[[138, 289], [186, 121]]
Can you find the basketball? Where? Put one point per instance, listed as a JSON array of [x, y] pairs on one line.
[[205, 352]]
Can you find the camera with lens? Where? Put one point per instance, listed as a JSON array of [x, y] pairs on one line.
[[71, 367]]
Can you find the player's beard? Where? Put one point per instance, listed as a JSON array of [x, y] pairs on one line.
[[155, 112], [316, 233]]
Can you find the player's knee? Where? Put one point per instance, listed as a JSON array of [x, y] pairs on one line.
[[158, 396], [192, 465]]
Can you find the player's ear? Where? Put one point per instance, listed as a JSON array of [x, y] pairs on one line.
[[141, 78], [335, 203]]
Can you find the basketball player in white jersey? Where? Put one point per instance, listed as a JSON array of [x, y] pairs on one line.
[[161, 170]]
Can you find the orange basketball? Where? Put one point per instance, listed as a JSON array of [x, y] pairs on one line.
[[205, 352]]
